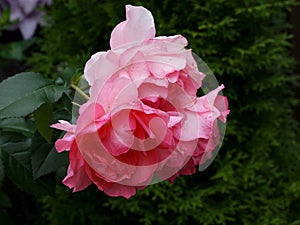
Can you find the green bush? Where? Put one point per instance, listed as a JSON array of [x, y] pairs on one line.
[[246, 43]]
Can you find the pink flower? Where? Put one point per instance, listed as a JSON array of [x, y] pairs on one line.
[[143, 121], [26, 13]]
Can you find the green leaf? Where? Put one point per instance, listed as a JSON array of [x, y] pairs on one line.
[[67, 75], [6, 137], [17, 162], [4, 200], [11, 51], [27, 43], [5, 17], [25, 92], [15, 50], [18, 124], [1, 169], [45, 159], [43, 117], [67, 101]]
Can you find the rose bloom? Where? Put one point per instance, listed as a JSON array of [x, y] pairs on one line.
[[26, 14], [143, 122]]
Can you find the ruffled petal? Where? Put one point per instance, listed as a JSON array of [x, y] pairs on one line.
[[102, 65], [114, 92], [77, 178], [160, 66], [64, 125], [65, 143], [139, 26], [221, 103], [116, 190], [173, 43], [110, 188]]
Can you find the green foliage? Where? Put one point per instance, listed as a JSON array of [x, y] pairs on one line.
[[17, 164], [45, 159], [21, 125], [43, 117], [24, 93], [27, 154], [1, 169], [80, 34], [255, 177], [4, 20], [15, 50]]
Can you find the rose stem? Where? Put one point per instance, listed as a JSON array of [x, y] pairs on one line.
[[80, 92]]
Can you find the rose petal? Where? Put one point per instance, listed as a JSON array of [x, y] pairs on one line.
[[87, 120], [102, 65], [138, 70], [77, 177], [64, 125], [65, 143], [112, 141], [139, 26], [114, 92], [112, 189], [221, 103], [174, 43], [194, 126], [160, 66]]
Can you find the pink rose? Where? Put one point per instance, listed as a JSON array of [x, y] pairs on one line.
[[143, 122]]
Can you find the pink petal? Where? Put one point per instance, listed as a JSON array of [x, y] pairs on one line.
[[139, 26], [116, 190], [112, 141], [205, 148], [138, 70], [110, 188], [102, 65], [195, 126], [173, 76], [217, 103], [65, 143], [101, 162], [91, 113], [152, 91], [77, 177], [173, 43], [221, 103], [175, 118], [64, 125], [115, 92], [179, 98], [122, 126], [160, 66]]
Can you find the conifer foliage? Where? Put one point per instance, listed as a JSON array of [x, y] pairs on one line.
[[246, 43]]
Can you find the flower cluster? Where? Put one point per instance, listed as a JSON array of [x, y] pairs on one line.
[[143, 121], [26, 13]]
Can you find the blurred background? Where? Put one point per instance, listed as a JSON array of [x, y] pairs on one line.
[[253, 48]]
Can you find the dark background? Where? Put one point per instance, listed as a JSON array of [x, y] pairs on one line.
[[295, 20]]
